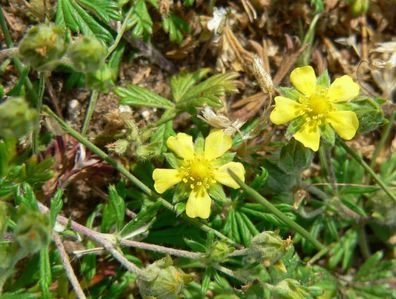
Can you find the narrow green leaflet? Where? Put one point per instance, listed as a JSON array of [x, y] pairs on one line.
[[209, 91], [106, 10], [140, 20], [183, 82], [71, 15], [134, 95], [175, 27]]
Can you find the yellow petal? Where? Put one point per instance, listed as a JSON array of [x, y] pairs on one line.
[[285, 110], [216, 144], [182, 145], [309, 136], [165, 178], [198, 204], [304, 80], [221, 174], [345, 123], [343, 89]]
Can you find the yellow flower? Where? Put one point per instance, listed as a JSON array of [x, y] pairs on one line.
[[317, 106], [199, 170]]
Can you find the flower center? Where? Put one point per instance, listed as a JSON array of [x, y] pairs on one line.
[[317, 106], [197, 173]]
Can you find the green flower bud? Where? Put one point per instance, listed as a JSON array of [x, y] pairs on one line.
[[16, 118], [32, 231], [289, 289], [267, 248], [87, 54], [161, 280], [360, 7], [219, 251], [42, 44]]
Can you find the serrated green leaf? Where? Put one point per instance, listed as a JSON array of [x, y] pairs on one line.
[[56, 206], [209, 92], [45, 273], [289, 92], [143, 220], [181, 83], [117, 205], [71, 15], [328, 134], [175, 27], [324, 79], [134, 95], [140, 20], [294, 157], [106, 10]]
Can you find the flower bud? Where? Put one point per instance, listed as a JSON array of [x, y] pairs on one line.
[[162, 280], [267, 248], [16, 118], [32, 231], [87, 54], [219, 251], [41, 45]]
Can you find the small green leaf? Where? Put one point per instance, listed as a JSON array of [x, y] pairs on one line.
[[45, 273], [117, 205], [294, 158], [216, 192], [328, 134], [140, 20], [181, 83], [175, 27], [324, 79], [138, 96], [56, 206], [290, 93]]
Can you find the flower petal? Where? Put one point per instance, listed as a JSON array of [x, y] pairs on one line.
[[182, 145], [309, 136], [216, 144], [343, 89], [345, 123], [304, 80], [222, 176], [198, 204], [285, 110], [165, 178]]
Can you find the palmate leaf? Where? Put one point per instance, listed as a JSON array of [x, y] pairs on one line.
[[175, 27], [134, 95], [208, 92], [72, 14], [140, 20]]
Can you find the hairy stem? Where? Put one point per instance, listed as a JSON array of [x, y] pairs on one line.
[[161, 249], [10, 44], [371, 172], [119, 167], [68, 267], [39, 105], [260, 199], [91, 108], [121, 32], [100, 238], [384, 138]]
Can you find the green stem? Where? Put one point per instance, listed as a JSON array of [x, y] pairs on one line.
[[120, 32], [10, 44], [325, 161], [39, 106], [91, 108], [119, 167], [384, 138], [260, 199], [367, 168], [363, 244]]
